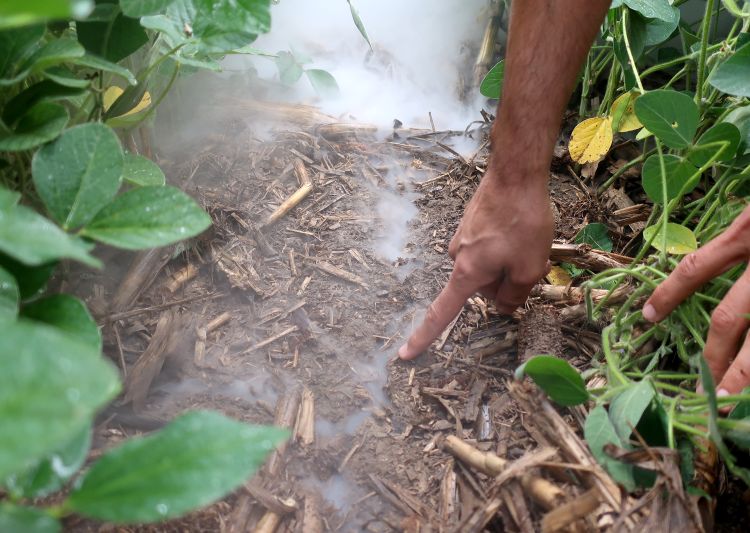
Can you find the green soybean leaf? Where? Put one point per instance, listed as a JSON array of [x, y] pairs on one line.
[[323, 83], [8, 199], [51, 473], [98, 63], [16, 46], [42, 123], [678, 172], [39, 92], [195, 460], [599, 432], [24, 12], [50, 387], [651, 9], [68, 314], [17, 519], [148, 217], [113, 40], [79, 173], [680, 240], [359, 24], [30, 279], [53, 53], [141, 8], [216, 26], [28, 237], [595, 235], [557, 379], [626, 408], [63, 76], [492, 84], [142, 171], [103, 11], [740, 117], [229, 24], [290, 71], [658, 30], [725, 133], [671, 116], [9, 296], [733, 76]]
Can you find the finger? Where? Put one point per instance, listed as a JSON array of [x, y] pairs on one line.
[[728, 323], [489, 291], [439, 314], [511, 295], [693, 271], [737, 377]]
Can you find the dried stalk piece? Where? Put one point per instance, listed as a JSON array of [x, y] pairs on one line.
[[340, 273], [304, 428], [182, 276], [202, 333], [545, 493], [140, 275], [548, 428], [567, 514], [286, 414], [306, 187], [583, 256], [150, 362]]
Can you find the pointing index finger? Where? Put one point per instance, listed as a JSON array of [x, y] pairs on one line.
[[439, 314]]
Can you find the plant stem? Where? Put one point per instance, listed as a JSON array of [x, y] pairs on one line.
[[585, 87], [678, 60], [705, 29], [607, 184], [628, 49], [688, 429], [611, 86]]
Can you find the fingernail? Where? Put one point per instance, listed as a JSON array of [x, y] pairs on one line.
[[649, 313], [721, 393]]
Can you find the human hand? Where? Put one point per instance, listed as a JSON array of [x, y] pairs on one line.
[[501, 249], [727, 354]]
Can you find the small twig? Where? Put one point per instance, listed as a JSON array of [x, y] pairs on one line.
[[269, 340], [135, 312]]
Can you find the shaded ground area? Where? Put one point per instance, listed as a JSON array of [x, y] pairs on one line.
[[295, 322]]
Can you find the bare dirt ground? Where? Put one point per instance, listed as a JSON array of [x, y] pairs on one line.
[[297, 323]]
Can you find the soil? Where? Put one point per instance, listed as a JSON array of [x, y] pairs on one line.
[[375, 463]]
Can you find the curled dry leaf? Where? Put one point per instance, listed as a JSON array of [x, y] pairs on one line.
[[591, 140]]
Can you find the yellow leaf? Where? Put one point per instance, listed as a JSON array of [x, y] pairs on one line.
[[591, 140], [559, 276], [628, 121], [114, 92]]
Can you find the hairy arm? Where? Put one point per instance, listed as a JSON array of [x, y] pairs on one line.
[[502, 244]]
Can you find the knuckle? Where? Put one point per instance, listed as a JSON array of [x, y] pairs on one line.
[[690, 266], [432, 314], [464, 270], [723, 320]]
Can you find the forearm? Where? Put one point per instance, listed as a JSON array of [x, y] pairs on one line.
[[547, 44]]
